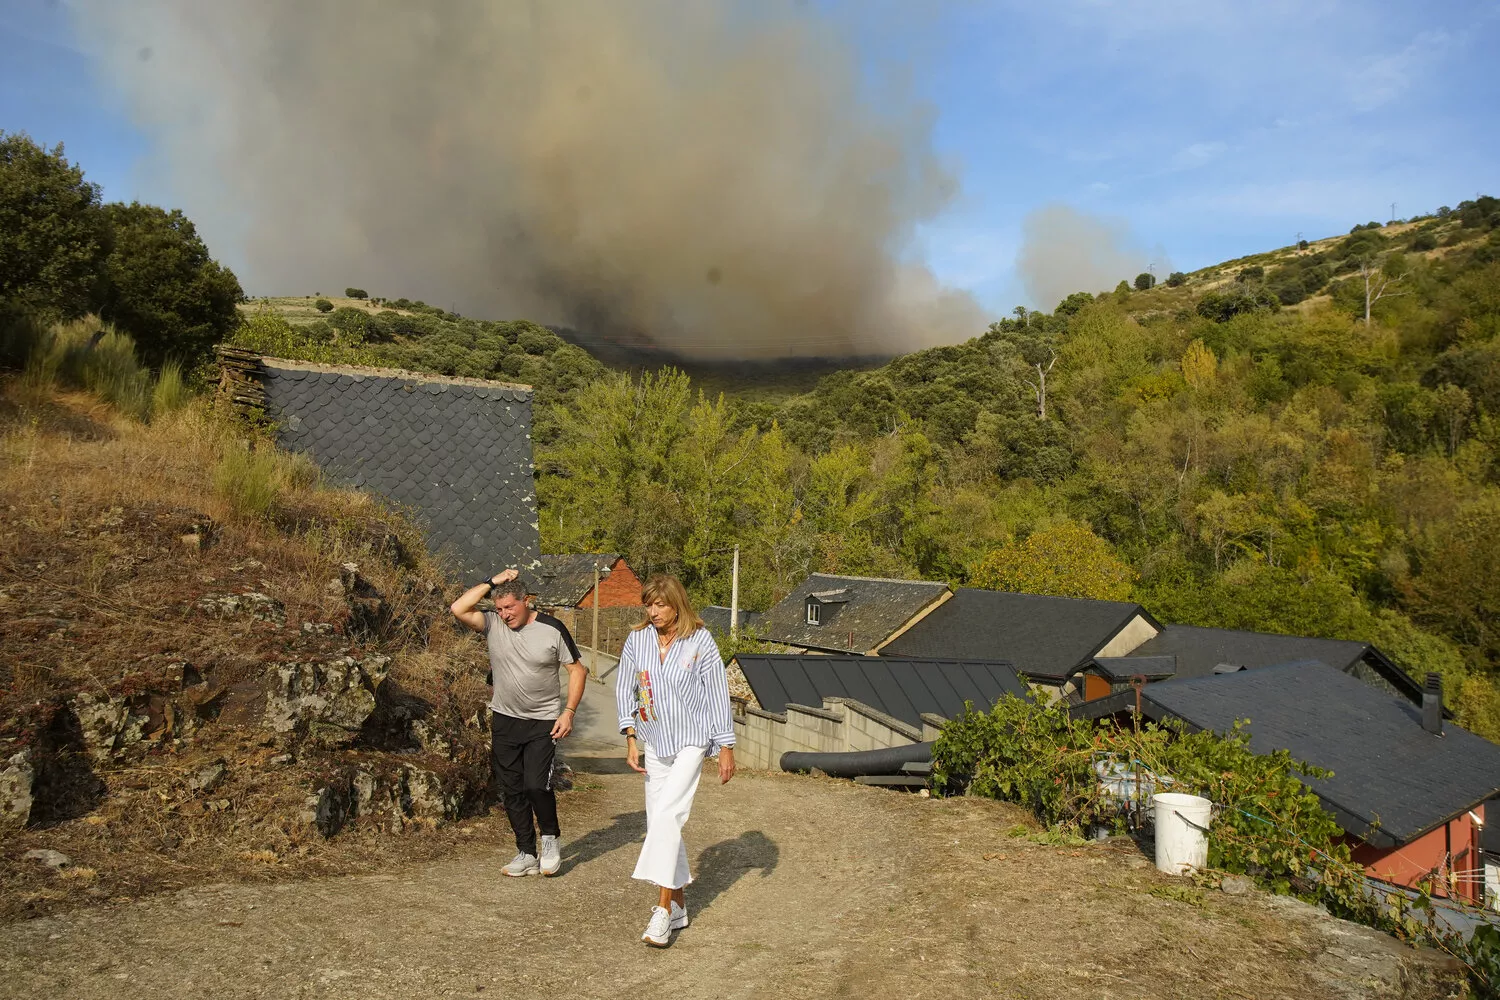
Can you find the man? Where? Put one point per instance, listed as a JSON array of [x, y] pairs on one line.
[[527, 717]]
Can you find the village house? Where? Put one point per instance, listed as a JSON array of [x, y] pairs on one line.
[[1185, 651], [849, 614], [1415, 794], [1045, 638], [841, 702], [716, 620], [563, 586]]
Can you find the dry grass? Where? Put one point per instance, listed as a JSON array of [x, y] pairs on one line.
[[112, 531], [300, 309]]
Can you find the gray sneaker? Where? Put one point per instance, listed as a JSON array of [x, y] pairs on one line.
[[551, 854], [522, 864], [659, 930]]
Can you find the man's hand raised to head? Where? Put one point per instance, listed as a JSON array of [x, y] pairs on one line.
[[504, 576]]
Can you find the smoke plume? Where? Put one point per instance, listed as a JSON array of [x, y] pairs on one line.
[[708, 177], [1064, 250]]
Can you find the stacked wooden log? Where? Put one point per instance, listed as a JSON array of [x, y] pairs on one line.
[[239, 377]]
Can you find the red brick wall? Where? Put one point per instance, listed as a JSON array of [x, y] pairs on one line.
[[620, 589]]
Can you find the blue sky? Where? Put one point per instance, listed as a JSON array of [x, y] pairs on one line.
[[1209, 129]]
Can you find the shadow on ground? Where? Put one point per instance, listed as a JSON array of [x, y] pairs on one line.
[[721, 865], [626, 828]]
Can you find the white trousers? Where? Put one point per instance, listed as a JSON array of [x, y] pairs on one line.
[[671, 783]]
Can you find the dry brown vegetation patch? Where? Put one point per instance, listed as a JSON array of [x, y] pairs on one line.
[[134, 587]]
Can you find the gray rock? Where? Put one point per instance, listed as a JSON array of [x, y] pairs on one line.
[[50, 858], [253, 604], [329, 808], [281, 760], [426, 798], [108, 725], [15, 790], [206, 779], [337, 692], [430, 738], [1235, 885]]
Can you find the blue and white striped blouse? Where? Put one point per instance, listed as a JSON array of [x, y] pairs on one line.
[[678, 703]]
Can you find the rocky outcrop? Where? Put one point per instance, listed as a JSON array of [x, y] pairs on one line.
[[338, 692], [391, 799], [15, 790], [109, 725]]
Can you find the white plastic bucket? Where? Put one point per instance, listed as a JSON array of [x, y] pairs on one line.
[[1181, 831]]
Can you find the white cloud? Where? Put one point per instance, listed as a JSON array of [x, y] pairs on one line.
[[1198, 154], [1387, 77]]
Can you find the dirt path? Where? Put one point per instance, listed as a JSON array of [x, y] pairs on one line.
[[806, 888]]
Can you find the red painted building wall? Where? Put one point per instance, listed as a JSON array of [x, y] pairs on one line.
[[1452, 850], [620, 589]]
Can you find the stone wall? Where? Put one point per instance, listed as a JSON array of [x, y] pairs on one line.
[[838, 726]]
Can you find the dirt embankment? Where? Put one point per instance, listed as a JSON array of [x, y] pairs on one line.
[[195, 684], [805, 887]]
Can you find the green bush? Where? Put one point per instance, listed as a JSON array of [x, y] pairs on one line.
[[323, 306], [355, 293], [1144, 281], [1176, 279]]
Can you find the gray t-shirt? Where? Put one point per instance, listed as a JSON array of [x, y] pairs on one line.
[[524, 664]]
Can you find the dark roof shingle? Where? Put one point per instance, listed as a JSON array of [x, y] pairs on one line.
[[1392, 780], [856, 621], [564, 580], [901, 688], [716, 618], [1200, 650], [456, 453], [1044, 637]]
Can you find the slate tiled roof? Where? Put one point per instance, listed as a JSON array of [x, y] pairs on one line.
[[1200, 650], [717, 620], [565, 580], [1121, 668], [456, 453], [1385, 766], [1044, 637], [901, 688], [873, 611]]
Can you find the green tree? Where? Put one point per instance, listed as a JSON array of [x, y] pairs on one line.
[[1176, 279], [163, 288], [1065, 560], [1144, 281], [53, 235], [323, 306], [355, 293]]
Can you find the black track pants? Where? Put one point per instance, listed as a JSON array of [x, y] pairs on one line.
[[521, 752]]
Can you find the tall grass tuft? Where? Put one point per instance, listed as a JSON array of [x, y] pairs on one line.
[[171, 392], [250, 480]]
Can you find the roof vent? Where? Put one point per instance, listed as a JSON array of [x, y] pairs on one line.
[[1432, 704], [1228, 668]]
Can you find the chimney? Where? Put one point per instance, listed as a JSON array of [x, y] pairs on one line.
[[1432, 704]]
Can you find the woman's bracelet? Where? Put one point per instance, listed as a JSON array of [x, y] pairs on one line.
[[570, 708]]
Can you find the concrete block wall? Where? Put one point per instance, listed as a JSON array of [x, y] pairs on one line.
[[840, 725]]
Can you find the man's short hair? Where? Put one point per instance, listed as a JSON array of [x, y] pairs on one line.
[[510, 588]]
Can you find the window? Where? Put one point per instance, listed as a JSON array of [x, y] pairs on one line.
[[813, 610]]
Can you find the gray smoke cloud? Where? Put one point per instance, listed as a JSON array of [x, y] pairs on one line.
[[710, 177], [1064, 250]]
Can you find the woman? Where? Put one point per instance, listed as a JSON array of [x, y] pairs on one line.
[[673, 697]]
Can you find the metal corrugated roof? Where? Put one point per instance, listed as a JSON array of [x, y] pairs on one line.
[[902, 688]]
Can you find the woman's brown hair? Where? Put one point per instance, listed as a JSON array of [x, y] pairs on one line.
[[669, 590]]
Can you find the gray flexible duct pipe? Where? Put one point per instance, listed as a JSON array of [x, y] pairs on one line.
[[859, 762]]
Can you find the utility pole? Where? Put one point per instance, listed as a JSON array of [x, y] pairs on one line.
[[1393, 211], [594, 642], [734, 599]]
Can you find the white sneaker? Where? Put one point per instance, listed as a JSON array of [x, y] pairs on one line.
[[521, 864], [551, 854], [659, 930], [679, 916]]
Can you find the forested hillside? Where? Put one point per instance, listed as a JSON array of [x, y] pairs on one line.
[[1243, 447], [1307, 440]]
